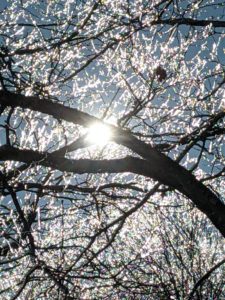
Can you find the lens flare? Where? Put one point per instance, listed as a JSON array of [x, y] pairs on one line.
[[98, 134]]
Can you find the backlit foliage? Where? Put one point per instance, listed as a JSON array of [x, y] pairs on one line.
[[111, 235]]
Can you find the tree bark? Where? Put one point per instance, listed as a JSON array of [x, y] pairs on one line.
[[154, 164]]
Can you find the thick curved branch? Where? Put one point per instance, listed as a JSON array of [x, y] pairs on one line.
[[160, 167], [56, 110], [163, 170], [82, 166]]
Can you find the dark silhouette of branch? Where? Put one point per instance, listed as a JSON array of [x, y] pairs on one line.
[[157, 166], [204, 278], [190, 22], [160, 167]]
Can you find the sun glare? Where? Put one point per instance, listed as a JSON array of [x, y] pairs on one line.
[[98, 134]]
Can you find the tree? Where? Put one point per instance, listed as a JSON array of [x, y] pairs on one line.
[[140, 216]]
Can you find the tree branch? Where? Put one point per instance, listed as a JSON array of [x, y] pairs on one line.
[[163, 170], [205, 277], [190, 22]]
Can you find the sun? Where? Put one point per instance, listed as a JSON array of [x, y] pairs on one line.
[[98, 134]]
